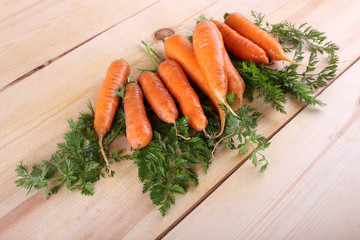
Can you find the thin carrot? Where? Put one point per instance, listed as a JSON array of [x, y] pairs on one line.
[[179, 48], [138, 129], [236, 83], [240, 46], [249, 30], [107, 101], [158, 97], [209, 52], [175, 80]]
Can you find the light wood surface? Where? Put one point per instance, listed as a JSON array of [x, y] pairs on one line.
[[54, 57], [311, 190]]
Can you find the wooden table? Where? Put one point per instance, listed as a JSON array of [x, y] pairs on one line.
[[53, 58]]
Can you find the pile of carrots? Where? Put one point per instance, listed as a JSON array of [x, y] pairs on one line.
[[205, 61]]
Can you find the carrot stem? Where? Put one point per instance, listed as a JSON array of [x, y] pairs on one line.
[[146, 70], [150, 53], [151, 58], [304, 65], [152, 50], [202, 17]]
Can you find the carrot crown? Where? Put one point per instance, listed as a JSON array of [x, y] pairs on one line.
[[226, 15], [202, 18]]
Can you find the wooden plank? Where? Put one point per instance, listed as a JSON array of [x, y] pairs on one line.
[[31, 124], [271, 121], [32, 36], [10, 8], [311, 190], [35, 124]]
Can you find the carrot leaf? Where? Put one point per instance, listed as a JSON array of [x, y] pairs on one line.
[[296, 39], [77, 163], [166, 166], [239, 133]]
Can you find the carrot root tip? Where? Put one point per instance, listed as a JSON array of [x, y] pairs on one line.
[[214, 136], [230, 109], [218, 142], [179, 135], [104, 155], [207, 134]]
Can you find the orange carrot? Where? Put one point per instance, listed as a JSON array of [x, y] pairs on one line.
[[236, 83], [138, 128], [107, 101], [175, 80], [158, 97], [249, 30], [179, 48], [210, 54], [240, 46]]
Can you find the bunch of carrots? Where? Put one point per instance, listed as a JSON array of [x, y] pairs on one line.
[[205, 61]]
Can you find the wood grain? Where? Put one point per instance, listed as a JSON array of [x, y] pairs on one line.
[[33, 111], [269, 124], [311, 188], [44, 31], [10, 8]]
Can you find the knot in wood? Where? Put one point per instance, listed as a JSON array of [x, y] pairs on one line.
[[163, 33]]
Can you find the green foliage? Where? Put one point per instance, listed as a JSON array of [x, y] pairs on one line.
[[247, 139], [273, 84], [166, 165], [77, 163], [294, 39], [240, 134], [259, 78]]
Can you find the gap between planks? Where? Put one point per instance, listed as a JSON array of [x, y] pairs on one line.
[[232, 171], [19, 79]]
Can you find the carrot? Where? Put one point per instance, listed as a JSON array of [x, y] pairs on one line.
[[175, 80], [249, 30], [107, 101], [158, 97], [138, 129], [236, 83], [240, 46], [210, 54], [179, 48]]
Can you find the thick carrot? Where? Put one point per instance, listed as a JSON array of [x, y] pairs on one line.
[[158, 97], [138, 129], [179, 48], [240, 46], [210, 54], [249, 30], [107, 101], [175, 80], [236, 83]]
